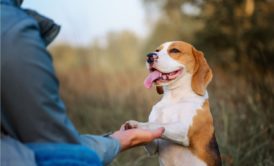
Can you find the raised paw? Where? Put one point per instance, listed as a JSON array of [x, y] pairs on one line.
[[131, 124]]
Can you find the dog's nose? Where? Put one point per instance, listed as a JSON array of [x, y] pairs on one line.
[[151, 57]]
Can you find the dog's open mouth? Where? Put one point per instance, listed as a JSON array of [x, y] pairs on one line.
[[156, 76]]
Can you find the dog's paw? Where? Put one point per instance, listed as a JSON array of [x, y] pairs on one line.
[[131, 124]]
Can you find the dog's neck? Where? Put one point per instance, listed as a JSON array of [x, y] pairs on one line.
[[181, 90]]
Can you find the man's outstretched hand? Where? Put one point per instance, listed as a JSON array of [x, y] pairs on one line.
[[134, 137]]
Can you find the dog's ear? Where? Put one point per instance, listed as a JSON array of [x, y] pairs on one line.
[[159, 90], [202, 73]]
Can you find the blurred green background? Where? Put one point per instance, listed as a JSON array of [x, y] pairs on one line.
[[102, 81]]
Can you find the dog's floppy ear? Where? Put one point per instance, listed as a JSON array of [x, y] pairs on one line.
[[159, 90], [202, 73]]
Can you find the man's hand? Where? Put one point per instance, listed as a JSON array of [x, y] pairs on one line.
[[134, 137]]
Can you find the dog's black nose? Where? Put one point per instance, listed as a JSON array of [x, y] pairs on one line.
[[151, 57]]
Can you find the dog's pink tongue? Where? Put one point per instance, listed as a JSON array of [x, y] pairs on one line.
[[151, 77]]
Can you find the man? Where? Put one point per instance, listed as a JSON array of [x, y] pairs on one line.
[[33, 116]]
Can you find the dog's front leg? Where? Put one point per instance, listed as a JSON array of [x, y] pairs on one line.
[[176, 132]]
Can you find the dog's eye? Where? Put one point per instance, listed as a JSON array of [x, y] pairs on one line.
[[174, 50], [157, 50]]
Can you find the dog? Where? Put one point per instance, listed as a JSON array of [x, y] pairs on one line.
[[182, 74]]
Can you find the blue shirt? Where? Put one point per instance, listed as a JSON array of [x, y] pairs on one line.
[[31, 107]]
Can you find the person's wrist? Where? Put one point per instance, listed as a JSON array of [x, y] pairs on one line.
[[123, 138]]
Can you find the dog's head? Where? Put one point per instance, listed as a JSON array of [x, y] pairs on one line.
[[172, 61]]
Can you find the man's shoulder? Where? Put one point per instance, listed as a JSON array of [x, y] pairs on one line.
[[13, 19]]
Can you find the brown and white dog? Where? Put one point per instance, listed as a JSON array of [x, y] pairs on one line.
[[182, 74]]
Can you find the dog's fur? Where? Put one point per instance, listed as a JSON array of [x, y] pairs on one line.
[[183, 111]]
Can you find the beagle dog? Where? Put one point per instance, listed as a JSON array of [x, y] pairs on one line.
[[182, 74]]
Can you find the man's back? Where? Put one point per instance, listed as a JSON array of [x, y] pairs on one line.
[[29, 89]]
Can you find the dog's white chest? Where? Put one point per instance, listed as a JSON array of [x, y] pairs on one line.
[[174, 112], [182, 112]]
